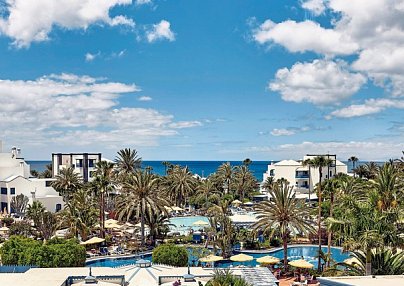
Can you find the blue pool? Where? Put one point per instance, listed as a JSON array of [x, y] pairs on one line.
[[183, 224], [294, 252]]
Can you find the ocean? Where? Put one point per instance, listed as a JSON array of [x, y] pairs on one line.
[[202, 168]]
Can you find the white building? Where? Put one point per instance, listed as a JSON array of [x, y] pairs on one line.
[[304, 178], [83, 163], [15, 179]]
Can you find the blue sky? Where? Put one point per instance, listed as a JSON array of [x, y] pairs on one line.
[[203, 80]]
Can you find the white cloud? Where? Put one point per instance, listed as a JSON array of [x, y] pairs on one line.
[[32, 21], [90, 57], [72, 110], [185, 124], [282, 132], [290, 131], [144, 98], [364, 150], [317, 7], [319, 82], [372, 32], [160, 31], [305, 36], [371, 106], [142, 2]]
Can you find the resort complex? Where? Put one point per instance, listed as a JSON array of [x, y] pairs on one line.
[[118, 223]]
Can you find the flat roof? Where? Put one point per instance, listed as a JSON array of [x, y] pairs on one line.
[[363, 280]]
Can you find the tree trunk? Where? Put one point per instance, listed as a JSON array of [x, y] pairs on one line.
[[102, 216], [142, 224], [285, 251], [368, 262], [319, 221], [329, 231]]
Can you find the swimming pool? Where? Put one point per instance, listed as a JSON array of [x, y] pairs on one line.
[[183, 224], [294, 252]]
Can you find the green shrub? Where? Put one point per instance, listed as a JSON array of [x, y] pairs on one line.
[[170, 254], [55, 253]]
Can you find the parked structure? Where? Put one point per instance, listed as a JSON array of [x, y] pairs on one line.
[[83, 163], [304, 178], [15, 179]]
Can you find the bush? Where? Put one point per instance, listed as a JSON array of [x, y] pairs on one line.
[[171, 255], [7, 220], [55, 253]]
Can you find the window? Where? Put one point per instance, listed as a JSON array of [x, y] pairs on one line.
[[91, 163], [48, 183], [272, 173], [3, 191], [4, 206], [79, 163], [12, 191], [58, 207]]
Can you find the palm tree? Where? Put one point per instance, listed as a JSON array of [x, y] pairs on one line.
[[225, 174], [384, 262], [127, 161], [166, 164], [67, 183], [158, 223], [284, 213], [319, 162], [19, 204], [247, 162], [35, 211], [269, 183], [140, 191], [386, 187], [103, 182], [244, 182], [205, 190], [47, 173], [372, 169], [80, 213], [353, 160], [179, 184]]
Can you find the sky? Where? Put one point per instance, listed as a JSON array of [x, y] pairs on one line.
[[203, 80]]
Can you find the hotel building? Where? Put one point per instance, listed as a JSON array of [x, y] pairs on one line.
[[15, 179], [304, 178], [83, 163]]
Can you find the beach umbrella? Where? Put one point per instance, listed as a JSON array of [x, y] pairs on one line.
[[112, 225], [200, 223], [352, 261], [241, 257], [168, 208], [177, 209], [248, 204], [301, 263], [4, 229], [268, 260], [93, 240], [236, 202], [111, 221], [211, 258]]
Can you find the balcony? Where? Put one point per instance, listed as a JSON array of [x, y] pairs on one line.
[[302, 176]]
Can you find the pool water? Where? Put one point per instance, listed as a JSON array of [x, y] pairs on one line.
[[294, 252], [183, 224]]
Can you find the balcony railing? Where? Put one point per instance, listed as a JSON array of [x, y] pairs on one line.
[[302, 176]]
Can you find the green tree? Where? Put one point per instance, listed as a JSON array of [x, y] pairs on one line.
[[179, 185], [318, 162], [283, 213], [353, 160], [19, 204], [170, 254], [35, 211], [67, 183], [103, 183], [224, 277], [244, 181], [140, 191], [225, 174], [207, 192], [127, 162]]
